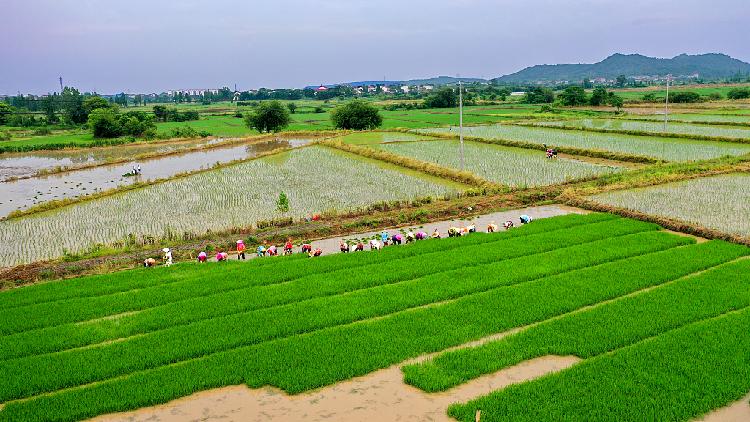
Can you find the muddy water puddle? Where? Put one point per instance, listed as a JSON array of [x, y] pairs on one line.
[[24, 193]]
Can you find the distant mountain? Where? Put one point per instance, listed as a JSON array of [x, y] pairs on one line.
[[439, 80], [707, 66]]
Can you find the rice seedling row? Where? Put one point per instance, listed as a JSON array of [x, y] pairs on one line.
[[718, 202], [654, 128], [37, 374], [342, 352], [679, 375], [284, 268], [650, 146], [595, 331], [314, 179], [509, 166], [56, 338]]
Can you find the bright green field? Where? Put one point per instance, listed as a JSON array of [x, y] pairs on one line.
[[655, 128], [634, 94], [299, 324]]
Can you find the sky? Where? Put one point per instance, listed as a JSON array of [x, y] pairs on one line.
[[142, 46]]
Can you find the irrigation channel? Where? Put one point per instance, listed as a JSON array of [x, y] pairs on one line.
[[24, 193]]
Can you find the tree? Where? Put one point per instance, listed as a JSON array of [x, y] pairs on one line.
[[615, 101], [105, 123], [356, 115], [539, 95], [269, 116], [48, 106], [598, 97], [72, 106], [620, 81], [282, 205], [587, 84], [443, 98], [573, 96], [684, 97], [160, 112], [5, 112], [738, 93], [92, 103], [292, 107]]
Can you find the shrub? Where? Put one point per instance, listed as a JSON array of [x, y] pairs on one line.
[[684, 97], [356, 115], [270, 116], [738, 93]]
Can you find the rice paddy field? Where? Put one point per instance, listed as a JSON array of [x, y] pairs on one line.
[[315, 179], [728, 119], [654, 127], [509, 166], [719, 202], [661, 323], [669, 149]]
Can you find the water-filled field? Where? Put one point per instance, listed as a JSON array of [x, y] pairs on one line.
[[670, 149], [509, 166], [25, 193], [653, 127], [644, 309], [314, 179], [719, 202]]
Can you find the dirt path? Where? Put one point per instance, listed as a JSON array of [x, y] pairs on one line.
[[331, 245], [738, 411], [378, 396]]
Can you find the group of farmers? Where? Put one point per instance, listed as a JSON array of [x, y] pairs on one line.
[[377, 243]]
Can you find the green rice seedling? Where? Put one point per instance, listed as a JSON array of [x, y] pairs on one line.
[[657, 147], [595, 331], [322, 357], [677, 376], [719, 202], [509, 166], [656, 128]]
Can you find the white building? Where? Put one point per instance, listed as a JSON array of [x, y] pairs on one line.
[[405, 89], [517, 93]]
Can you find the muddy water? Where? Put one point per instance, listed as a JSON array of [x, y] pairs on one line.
[[24, 193], [27, 164]]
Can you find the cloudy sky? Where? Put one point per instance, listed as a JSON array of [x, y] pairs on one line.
[[155, 45]]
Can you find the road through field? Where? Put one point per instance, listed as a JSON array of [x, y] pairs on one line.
[[331, 245]]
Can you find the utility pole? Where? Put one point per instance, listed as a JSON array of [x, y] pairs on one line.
[[461, 121], [666, 104], [61, 85]]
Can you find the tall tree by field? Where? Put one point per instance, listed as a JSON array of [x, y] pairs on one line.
[[104, 123], [572, 96], [292, 107], [269, 116], [160, 112], [615, 101], [599, 96], [72, 106], [5, 112], [621, 79], [92, 103], [443, 98], [48, 106], [539, 95], [356, 115]]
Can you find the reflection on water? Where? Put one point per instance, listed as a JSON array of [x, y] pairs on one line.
[[22, 194]]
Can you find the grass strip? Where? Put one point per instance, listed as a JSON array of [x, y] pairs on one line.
[[38, 374], [597, 330], [141, 278], [324, 357], [66, 336], [203, 283], [677, 376]]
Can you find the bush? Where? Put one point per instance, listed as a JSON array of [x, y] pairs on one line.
[[443, 98], [104, 123], [109, 123], [738, 93], [684, 97], [715, 96], [44, 130], [319, 109], [270, 116], [356, 115], [573, 96], [5, 112], [4, 135], [539, 95]]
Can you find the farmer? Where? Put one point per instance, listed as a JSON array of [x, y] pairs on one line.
[[221, 256], [138, 169], [202, 257], [167, 257], [507, 225], [288, 247], [396, 239], [421, 235], [316, 253], [471, 228], [306, 248], [272, 251], [149, 262], [435, 234], [384, 237], [261, 251], [375, 245], [410, 236], [492, 227], [240, 249], [343, 247], [525, 219], [360, 246], [453, 232]]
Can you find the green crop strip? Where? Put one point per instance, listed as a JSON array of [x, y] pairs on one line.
[[143, 278], [67, 336], [676, 376], [595, 331], [76, 310], [326, 356], [43, 373]]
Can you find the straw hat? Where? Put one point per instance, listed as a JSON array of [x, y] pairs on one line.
[[165, 250]]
